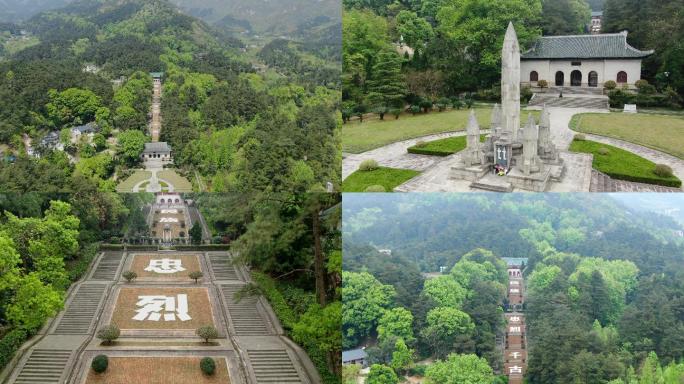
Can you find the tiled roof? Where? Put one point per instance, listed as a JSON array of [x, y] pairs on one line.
[[160, 146], [605, 46], [353, 354]]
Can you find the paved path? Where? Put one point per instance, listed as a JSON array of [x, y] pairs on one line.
[[395, 155], [155, 124], [515, 343]]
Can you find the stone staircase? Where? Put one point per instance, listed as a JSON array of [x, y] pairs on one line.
[[492, 187], [80, 312], [223, 268], [573, 91], [43, 367], [273, 366], [600, 182], [244, 315], [108, 266], [567, 101]]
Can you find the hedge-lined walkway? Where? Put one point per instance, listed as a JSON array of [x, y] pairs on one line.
[[653, 155]]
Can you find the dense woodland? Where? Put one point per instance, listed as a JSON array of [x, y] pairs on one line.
[[237, 129], [456, 47], [604, 300]]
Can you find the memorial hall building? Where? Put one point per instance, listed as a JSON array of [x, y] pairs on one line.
[[582, 61]]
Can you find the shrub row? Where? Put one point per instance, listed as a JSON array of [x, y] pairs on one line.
[[618, 99], [9, 345], [79, 268], [645, 179], [283, 311], [427, 151]]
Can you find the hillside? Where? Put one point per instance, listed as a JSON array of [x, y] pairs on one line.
[[601, 300], [19, 10], [274, 17], [231, 128]]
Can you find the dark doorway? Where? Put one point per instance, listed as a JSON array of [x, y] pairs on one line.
[[593, 79], [576, 78], [560, 79], [534, 76], [622, 77]]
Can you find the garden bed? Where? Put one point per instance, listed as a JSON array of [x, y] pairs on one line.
[[189, 262], [159, 370], [389, 178], [442, 147], [623, 165]]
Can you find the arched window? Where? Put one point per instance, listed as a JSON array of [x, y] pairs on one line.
[[534, 76], [560, 78], [622, 77], [593, 79]]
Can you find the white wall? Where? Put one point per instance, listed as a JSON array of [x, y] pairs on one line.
[[606, 70]]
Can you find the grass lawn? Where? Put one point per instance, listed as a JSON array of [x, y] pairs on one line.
[[664, 133], [127, 185], [189, 262], [180, 183], [623, 165], [387, 177], [199, 309], [442, 147], [360, 137], [159, 370]]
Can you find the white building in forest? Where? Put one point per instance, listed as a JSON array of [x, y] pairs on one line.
[[582, 61]]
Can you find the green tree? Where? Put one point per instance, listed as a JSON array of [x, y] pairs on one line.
[[651, 372], [9, 263], [458, 369], [386, 88], [402, 357], [381, 374], [364, 300], [445, 328], [196, 233], [131, 145], [396, 322], [72, 106], [565, 17], [33, 303], [320, 328], [415, 30], [445, 291]]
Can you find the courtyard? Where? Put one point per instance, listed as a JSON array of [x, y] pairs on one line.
[[159, 370]]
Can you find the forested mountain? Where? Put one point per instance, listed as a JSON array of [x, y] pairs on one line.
[[231, 128], [605, 277], [18, 10], [275, 17]]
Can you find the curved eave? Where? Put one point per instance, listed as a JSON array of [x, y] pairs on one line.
[[644, 55]]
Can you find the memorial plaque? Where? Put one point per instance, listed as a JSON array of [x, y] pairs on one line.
[[503, 155]]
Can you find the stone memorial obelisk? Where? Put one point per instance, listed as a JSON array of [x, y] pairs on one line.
[[510, 83]]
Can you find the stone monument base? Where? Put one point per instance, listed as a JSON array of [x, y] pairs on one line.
[[461, 171], [535, 182]]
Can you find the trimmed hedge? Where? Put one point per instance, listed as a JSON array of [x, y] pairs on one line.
[[208, 366], [618, 99], [441, 147], [9, 345], [100, 363], [79, 268], [623, 165]]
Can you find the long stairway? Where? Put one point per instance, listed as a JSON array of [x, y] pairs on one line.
[[80, 313], [244, 314], [515, 341], [222, 266], [108, 266], [43, 367], [273, 366]]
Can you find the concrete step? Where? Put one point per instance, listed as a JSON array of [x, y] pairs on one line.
[[82, 309], [492, 187], [540, 100], [43, 367], [108, 266], [273, 366], [244, 315], [223, 268]]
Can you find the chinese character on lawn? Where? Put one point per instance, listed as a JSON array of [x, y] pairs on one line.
[[515, 282], [173, 211], [515, 354], [515, 290], [168, 220], [514, 319], [515, 329], [515, 369], [165, 266], [153, 307]]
